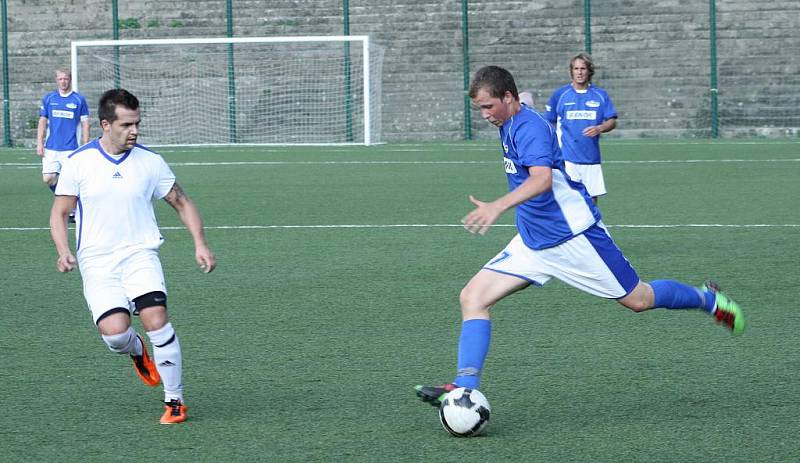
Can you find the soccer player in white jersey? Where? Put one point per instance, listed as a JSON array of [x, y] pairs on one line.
[[559, 235], [61, 113], [581, 112], [114, 181]]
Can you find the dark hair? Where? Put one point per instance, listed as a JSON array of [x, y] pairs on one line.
[[586, 59], [107, 109], [495, 80]]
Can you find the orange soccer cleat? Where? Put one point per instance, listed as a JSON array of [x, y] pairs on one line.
[[145, 367], [174, 412]]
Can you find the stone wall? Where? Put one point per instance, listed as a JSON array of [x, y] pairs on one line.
[[653, 59]]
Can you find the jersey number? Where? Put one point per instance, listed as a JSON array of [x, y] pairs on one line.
[[509, 166]]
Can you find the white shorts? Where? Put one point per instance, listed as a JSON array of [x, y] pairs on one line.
[[52, 160], [115, 281], [591, 262], [591, 175]]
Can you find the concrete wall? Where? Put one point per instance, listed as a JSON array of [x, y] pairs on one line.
[[653, 59]]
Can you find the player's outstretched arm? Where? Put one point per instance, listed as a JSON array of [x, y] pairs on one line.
[[190, 217], [59, 220], [483, 216], [486, 213]]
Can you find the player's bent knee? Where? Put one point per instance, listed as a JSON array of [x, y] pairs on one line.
[[121, 343], [640, 299], [635, 304], [472, 303], [114, 321], [152, 310], [468, 298], [638, 308]]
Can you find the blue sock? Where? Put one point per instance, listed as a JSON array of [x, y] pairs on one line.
[[473, 346], [676, 295]]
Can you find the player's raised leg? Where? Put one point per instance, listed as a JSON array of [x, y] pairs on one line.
[[672, 294], [116, 331]]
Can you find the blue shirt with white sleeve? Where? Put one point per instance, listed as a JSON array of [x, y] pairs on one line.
[[64, 114], [554, 216], [572, 111]]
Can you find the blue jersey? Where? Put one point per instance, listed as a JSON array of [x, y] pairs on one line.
[[64, 114], [574, 110], [554, 216]]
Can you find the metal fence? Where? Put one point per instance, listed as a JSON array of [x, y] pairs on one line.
[[675, 68]]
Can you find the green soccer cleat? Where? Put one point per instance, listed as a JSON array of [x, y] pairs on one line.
[[434, 395], [727, 311]]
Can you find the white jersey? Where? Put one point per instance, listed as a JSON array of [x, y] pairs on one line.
[[115, 198]]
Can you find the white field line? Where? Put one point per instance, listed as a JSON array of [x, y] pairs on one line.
[[30, 165], [438, 225], [486, 145]]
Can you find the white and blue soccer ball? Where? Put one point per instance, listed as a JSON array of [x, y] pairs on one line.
[[464, 412]]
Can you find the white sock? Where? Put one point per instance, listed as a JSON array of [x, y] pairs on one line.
[[138, 347], [126, 342], [167, 356]]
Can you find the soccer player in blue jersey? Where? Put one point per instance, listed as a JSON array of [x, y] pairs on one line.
[[61, 113], [559, 235], [581, 112]]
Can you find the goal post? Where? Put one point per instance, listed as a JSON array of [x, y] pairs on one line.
[[305, 90]]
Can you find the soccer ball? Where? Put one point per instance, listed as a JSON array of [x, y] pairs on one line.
[[464, 412]]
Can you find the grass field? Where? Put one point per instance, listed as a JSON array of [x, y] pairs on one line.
[[337, 291]]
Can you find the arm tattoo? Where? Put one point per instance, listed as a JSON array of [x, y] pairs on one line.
[[175, 195]]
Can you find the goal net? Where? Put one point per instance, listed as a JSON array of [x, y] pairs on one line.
[[261, 90]]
